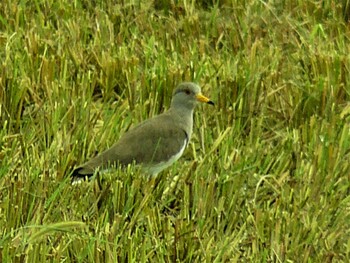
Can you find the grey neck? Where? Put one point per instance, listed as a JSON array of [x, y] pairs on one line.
[[184, 118]]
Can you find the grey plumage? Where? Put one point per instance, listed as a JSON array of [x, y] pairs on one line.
[[155, 143]]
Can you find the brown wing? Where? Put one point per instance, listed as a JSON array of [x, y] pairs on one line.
[[152, 141]]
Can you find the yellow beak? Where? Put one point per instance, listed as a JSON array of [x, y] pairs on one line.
[[200, 97]]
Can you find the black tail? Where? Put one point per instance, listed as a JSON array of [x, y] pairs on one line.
[[77, 176]]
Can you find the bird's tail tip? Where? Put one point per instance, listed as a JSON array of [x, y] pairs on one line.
[[78, 177]]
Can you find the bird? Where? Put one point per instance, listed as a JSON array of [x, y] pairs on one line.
[[155, 143]]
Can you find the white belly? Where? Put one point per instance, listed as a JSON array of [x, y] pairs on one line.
[[154, 169]]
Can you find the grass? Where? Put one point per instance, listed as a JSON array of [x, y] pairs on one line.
[[266, 176]]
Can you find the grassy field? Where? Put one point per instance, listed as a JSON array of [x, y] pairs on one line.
[[266, 177]]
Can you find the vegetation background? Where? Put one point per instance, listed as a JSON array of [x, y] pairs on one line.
[[267, 175]]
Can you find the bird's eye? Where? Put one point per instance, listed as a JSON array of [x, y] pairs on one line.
[[187, 92]]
